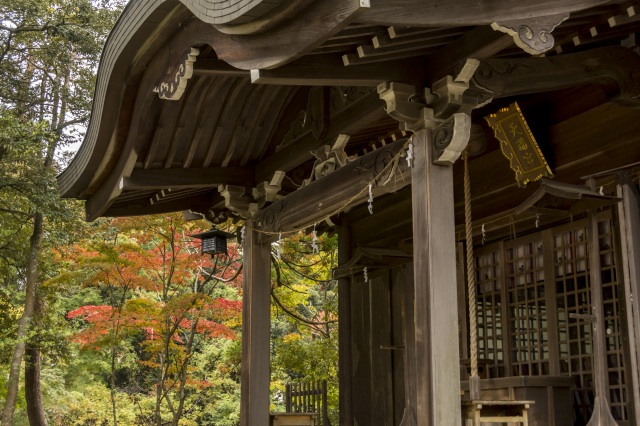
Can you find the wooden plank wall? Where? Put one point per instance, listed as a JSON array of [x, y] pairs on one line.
[[378, 348]]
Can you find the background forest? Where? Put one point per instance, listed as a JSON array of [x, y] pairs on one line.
[[122, 321]]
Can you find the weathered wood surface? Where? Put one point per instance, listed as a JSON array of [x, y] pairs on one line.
[[362, 112], [117, 67], [479, 43], [208, 177], [466, 12], [256, 302], [292, 38], [328, 70], [231, 11], [605, 135], [334, 192], [511, 77], [345, 334], [436, 320], [405, 278], [629, 232], [361, 330], [601, 415], [379, 343]]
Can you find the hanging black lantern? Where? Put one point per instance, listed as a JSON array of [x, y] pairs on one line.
[[214, 241]]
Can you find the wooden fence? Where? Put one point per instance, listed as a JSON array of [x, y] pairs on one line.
[[308, 397]]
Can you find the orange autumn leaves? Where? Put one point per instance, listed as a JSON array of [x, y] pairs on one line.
[[155, 284]]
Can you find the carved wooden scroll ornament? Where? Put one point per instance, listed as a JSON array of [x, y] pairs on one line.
[[518, 145], [532, 35], [172, 85]]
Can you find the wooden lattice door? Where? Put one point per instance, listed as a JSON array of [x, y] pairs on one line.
[[527, 288]]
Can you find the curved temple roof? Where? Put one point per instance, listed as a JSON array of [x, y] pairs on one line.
[[198, 103]]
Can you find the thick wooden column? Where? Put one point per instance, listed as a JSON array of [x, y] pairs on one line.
[[256, 301], [345, 366], [629, 223], [436, 315]]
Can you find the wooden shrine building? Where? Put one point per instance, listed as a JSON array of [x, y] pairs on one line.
[[352, 116]]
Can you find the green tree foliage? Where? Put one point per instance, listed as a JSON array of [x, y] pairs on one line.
[[48, 54], [165, 307], [305, 315]]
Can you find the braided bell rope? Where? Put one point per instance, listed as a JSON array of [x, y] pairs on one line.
[[471, 273]]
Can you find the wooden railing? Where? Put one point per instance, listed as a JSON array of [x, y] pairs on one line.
[[308, 397]]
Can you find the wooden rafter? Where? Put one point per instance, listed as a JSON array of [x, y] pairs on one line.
[[328, 70], [209, 177]]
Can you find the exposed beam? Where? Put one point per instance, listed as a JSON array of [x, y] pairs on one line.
[[328, 70], [480, 43], [466, 12], [345, 187], [370, 50], [311, 27], [359, 114], [200, 202], [511, 77], [217, 68], [210, 177]]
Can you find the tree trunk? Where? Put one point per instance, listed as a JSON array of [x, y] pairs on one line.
[[32, 390], [25, 320], [113, 386]]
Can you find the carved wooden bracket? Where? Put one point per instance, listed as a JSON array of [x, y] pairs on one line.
[[450, 138], [532, 35], [267, 191], [236, 198], [403, 103], [444, 108], [172, 85], [329, 158], [446, 97]]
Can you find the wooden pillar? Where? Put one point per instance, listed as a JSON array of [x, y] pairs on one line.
[[256, 301], [345, 347], [436, 316], [601, 415], [629, 231]]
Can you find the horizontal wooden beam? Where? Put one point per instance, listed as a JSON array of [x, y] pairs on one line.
[[328, 70], [209, 177], [198, 202], [511, 77], [217, 68], [465, 12], [345, 187]]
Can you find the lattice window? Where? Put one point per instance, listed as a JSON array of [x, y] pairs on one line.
[[612, 316], [572, 296], [519, 266], [528, 332], [489, 314]]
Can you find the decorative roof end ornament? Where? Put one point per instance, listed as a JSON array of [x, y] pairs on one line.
[[532, 35], [171, 86]]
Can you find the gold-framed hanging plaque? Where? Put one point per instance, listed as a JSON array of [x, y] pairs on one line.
[[518, 145]]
